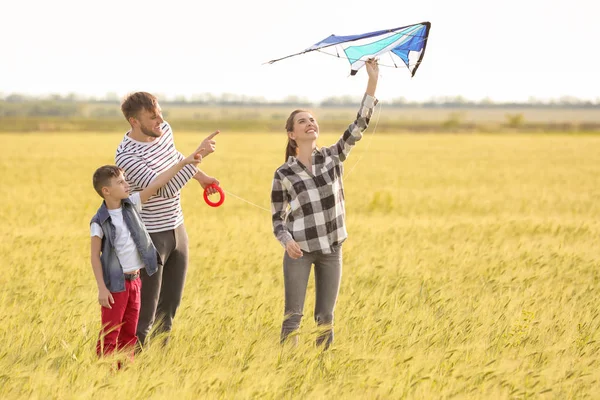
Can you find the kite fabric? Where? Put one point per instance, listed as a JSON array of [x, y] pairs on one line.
[[404, 45]]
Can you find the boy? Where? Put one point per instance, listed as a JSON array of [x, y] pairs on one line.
[[117, 262]]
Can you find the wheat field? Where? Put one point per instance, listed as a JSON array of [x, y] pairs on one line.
[[471, 271]]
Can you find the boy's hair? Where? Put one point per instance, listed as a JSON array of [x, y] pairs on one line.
[[136, 102], [103, 175]]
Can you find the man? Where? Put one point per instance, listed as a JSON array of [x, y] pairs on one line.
[[147, 150]]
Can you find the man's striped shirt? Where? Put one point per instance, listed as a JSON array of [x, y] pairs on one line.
[[142, 162], [307, 204]]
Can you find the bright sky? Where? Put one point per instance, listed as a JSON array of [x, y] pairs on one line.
[[505, 50]]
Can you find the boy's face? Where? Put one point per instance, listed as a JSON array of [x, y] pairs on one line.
[[118, 189]]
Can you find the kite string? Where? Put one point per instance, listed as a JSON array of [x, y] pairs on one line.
[[247, 201]]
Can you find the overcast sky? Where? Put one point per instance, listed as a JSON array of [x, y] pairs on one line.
[[505, 50]]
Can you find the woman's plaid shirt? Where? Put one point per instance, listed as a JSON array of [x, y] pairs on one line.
[[308, 205]]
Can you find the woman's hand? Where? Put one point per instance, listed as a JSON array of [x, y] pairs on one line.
[[293, 249], [372, 68]]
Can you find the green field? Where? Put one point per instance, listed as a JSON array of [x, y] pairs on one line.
[[270, 119], [471, 271]]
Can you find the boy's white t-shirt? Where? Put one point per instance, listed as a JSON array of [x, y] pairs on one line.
[[124, 245]]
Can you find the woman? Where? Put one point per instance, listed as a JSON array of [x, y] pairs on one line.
[[307, 203]]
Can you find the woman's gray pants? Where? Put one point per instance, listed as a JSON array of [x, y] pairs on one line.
[[328, 273]]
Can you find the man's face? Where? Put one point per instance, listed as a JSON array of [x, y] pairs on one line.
[[150, 122]]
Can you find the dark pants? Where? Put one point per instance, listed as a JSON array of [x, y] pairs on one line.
[[161, 292], [120, 321], [328, 274]]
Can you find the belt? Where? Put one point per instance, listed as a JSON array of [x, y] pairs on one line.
[[132, 276]]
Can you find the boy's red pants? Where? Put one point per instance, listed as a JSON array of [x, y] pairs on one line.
[[120, 322]]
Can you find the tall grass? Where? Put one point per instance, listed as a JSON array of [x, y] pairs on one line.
[[471, 270]]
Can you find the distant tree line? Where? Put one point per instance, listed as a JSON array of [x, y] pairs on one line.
[[19, 105]]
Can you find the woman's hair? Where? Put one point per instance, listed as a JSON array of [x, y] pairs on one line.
[[292, 147]]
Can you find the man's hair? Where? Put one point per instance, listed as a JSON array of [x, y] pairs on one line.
[[136, 102], [103, 175]]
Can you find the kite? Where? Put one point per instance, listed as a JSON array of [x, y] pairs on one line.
[[404, 45]]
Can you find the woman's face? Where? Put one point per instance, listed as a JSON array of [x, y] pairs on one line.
[[306, 128]]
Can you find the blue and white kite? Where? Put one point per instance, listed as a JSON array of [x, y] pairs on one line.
[[404, 45]]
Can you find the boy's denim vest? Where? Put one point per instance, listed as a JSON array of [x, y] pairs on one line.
[[111, 267]]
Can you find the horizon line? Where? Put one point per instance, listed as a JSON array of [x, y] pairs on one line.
[[235, 98]]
